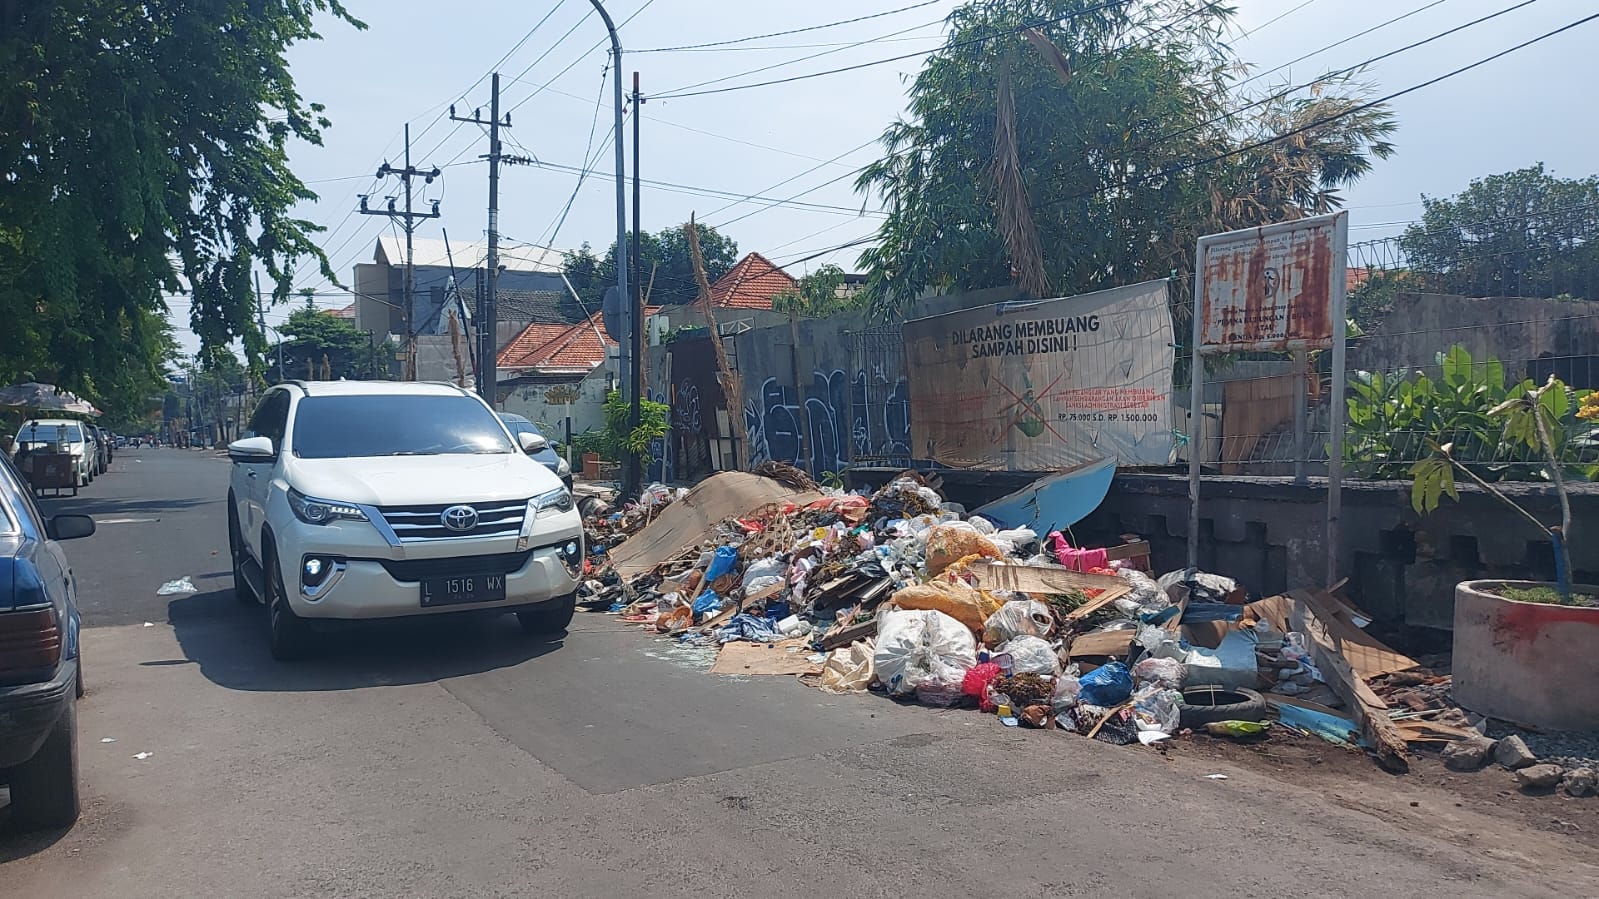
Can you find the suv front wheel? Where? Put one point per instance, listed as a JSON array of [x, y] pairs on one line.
[[288, 636], [551, 618]]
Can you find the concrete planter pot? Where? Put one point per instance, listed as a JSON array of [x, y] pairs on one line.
[[1527, 663]]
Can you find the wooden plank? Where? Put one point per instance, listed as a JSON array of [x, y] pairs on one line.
[[1369, 710], [1367, 656], [847, 635], [1138, 549], [744, 657], [1050, 581], [1108, 643]]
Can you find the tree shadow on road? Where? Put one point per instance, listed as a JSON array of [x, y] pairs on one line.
[[111, 505], [228, 640]]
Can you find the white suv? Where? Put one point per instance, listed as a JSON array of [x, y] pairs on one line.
[[370, 499]]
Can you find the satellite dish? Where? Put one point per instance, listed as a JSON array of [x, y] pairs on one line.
[[611, 313]]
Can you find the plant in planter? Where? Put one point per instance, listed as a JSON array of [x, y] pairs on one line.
[[1523, 650]]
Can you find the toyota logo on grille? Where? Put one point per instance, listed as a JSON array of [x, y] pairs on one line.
[[459, 518]]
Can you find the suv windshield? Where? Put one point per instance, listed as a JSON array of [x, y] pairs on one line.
[[34, 437], [332, 427]]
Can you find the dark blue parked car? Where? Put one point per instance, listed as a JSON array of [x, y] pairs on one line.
[[40, 679], [518, 426]]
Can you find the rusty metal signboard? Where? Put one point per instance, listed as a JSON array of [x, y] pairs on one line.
[[1276, 288], [1270, 288]]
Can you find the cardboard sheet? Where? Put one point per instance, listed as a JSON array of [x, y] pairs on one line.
[[743, 657], [1048, 580], [689, 520]]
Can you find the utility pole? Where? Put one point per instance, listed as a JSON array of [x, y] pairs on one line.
[[488, 309], [635, 474], [621, 197], [409, 218]]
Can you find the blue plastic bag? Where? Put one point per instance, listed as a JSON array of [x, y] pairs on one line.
[[708, 604], [1106, 686], [726, 558]]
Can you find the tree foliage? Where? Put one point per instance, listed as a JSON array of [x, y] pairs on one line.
[[144, 150], [820, 293], [314, 336], [1123, 117], [665, 255], [1524, 233]]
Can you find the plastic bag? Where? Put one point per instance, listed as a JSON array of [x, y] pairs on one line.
[[724, 560], [748, 627], [1166, 674], [1146, 592], [1018, 618], [772, 570], [978, 677], [707, 604], [981, 525], [1157, 709], [1237, 728], [1032, 655], [848, 669], [914, 646], [948, 543], [1108, 685], [956, 599], [1067, 687]]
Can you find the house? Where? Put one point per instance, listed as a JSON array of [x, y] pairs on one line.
[[549, 355], [742, 299], [530, 287]]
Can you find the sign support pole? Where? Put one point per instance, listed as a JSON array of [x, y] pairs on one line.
[[1196, 409], [1335, 458]]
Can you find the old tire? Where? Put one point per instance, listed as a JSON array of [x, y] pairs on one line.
[[1203, 705], [44, 789], [552, 618], [288, 636]]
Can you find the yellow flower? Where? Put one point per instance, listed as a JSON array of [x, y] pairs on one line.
[[1589, 410]]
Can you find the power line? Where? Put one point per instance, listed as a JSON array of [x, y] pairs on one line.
[[877, 62], [1340, 43], [795, 61], [540, 89], [758, 37], [1271, 22], [1168, 172]]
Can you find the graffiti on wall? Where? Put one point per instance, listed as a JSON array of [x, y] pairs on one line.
[[843, 418]]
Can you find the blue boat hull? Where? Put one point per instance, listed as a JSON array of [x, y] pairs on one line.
[[1055, 501]]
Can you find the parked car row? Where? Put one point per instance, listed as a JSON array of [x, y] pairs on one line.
[[40, 674], [62, 453]]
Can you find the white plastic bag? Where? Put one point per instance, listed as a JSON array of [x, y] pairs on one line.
[[1156, 709], [921, 645], [1018, 618], [848, 669], [1032, 655]]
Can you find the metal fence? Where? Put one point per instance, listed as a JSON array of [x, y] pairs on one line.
[[1443, 330], [879, 398]]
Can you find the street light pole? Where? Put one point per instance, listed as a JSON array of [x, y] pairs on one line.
[[621, 202]]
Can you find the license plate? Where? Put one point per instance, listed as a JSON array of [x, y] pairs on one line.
[[467, 588]]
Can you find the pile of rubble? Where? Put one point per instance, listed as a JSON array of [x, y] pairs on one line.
[[902, 593]]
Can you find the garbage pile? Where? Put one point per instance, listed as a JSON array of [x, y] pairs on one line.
[[902, 593]]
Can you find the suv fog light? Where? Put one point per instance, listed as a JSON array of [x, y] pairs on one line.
[[318, 574], [571, 553]]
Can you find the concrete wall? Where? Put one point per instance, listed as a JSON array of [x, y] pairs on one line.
[[1271, 535], [526, 398], [1532, 337]]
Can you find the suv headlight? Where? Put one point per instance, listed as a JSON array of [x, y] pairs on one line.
[[553, 503], [321, 511]]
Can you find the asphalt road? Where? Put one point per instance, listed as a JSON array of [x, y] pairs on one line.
[[459, 758]]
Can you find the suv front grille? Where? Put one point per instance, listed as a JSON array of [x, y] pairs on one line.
[[411, 570], [414, 523]]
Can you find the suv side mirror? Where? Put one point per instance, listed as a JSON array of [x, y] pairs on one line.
[[252, 449], [531, 442], [69, 527]]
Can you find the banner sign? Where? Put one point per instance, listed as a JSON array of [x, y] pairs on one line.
[[1270, 288], [1046, 385]]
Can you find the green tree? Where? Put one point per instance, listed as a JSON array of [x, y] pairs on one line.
[[819, 294], [665, 256], [144, 151], [1082, 154], [314, 335], [1524, 233]]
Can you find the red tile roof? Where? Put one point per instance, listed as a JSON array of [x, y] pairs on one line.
[[560, 347], [347, 312], [751, 284], [1356, 278]]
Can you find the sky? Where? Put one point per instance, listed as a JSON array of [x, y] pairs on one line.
[[779, 141]]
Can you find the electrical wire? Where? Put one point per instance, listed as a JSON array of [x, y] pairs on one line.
[[758, 37], [540, 89], [1340, 43], [877, 62], [1270, 22]]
